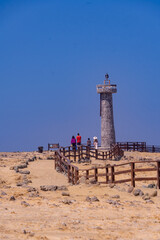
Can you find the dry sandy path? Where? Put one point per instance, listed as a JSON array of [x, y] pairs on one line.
[[44, 173]]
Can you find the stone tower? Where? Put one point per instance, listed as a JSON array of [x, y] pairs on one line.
[[106, 112]]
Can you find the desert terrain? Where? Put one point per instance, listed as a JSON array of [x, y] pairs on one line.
[[36, 202]]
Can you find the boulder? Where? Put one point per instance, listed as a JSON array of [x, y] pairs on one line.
[[67, 201], [12, 198], [151, 185], [16, 169], [62, 188], [20, 184], [113, 202], [146, 196], [24, 172], [48, 188], [32, 189], [115, 196], [92, 199], [24, 203], [138, 192], [93, 181], [31, 160], [33, 194], [22, 166], [88, 199], [3, 193], [149, 201], [65, 194]]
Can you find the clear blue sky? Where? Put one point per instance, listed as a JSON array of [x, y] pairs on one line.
[[54, 52]]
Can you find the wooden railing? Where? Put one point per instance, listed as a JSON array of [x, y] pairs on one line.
[[64, 156], [134, 146], [89, 152], [152, 148], [62, 164], [109, 173], [138, 146]]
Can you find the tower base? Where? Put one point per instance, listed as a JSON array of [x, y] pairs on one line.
[[104, 149]]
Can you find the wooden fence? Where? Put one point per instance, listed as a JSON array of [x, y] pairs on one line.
[[134, 146], [63, 164], [138, 146], [89, 152], [152, 148], [110, 173], [107, 174]]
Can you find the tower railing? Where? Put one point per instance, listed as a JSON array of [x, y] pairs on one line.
[[107, 88]]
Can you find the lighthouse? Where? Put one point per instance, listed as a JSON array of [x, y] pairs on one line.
[[106, 112]]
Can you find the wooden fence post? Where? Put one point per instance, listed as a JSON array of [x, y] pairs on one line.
[[87, 152], [55, 163], [87, 174], [68, 167], [63, 151], [74, 151], [79, 153], [69, 152], [60, 163], [72, 175], [145, 147], [96, 174], [132, 174], [112, 174], [137, 146], [76, 176], [107, 175], [133, 146], [103, 155], [96, 152], [158, 174], [142, 147], [81, 147], [153, 148], [127, 146], [114, 152]]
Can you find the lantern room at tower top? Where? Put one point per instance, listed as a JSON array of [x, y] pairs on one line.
[[107, 87]]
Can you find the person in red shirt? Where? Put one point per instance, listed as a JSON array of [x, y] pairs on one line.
[[78, 138]]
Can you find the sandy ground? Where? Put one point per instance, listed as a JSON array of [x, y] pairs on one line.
[[46, 215]]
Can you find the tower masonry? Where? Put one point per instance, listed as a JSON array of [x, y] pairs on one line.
[[106, 112]]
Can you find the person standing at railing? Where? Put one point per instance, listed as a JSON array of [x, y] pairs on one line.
[[95, 142], [73, 142], [78, 138], [89, 142]]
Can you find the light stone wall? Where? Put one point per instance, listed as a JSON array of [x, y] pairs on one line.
[[107, 121]]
